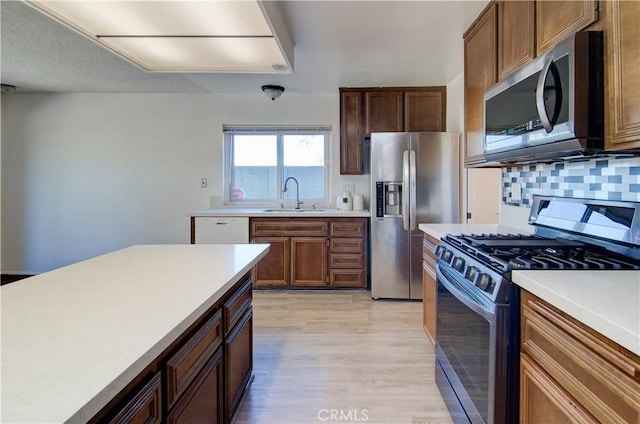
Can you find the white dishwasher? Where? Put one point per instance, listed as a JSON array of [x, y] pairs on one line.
[[221, 229]]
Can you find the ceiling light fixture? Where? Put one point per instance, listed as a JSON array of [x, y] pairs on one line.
[[272, 91], [234, 36]]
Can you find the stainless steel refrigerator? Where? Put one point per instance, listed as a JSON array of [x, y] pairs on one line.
[[415, 179]]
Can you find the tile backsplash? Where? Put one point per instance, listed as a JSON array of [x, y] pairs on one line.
[[599, 178]]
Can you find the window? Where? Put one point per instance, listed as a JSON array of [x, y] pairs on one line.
[[259, 160]]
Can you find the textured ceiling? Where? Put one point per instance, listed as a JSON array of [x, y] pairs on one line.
[[338, 43]]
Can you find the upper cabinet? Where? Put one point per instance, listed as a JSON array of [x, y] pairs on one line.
[[383, 111], [516, 35], [351, 132], [480, 72], [555, 20], [367, 110], [425, 110], [622, 72]]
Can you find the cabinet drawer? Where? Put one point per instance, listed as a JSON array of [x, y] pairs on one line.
[[347, 229], [183, 367], [144, 407], [286, 227], [602, 379], [346, 245], [346, 260], [543, 401], [347, 278], [236, 306]]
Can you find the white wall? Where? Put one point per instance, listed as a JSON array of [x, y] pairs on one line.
[[85, 174], [455, 123]]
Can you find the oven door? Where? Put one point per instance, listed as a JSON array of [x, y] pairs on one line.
[[471, 350]]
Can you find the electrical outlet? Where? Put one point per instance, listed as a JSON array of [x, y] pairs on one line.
[[350, 188], [203, 183]]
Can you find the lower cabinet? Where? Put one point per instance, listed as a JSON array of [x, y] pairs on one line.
[[202, 377], [429, 286], [311, 252], [145, 405], [238, 362], [308, 261], [572, 374], [202, 402]]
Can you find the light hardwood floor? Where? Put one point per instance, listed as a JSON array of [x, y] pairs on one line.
[[318, 353]]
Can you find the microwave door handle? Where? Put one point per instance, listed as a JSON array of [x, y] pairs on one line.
[[540, 103], [548, 123]]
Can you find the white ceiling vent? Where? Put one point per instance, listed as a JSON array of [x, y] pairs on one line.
[[243, 36]]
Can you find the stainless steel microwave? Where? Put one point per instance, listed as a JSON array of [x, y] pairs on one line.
[[552, 107]]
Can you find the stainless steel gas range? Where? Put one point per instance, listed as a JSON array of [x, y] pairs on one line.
[[478, 322]]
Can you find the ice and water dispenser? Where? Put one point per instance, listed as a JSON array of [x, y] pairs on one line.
[[388, 198]]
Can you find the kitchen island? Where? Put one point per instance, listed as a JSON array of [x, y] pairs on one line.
[[74, 339]]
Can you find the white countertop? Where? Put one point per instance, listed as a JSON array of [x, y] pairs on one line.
[[440, 230], [606, 301], [73, 338], [260, 212]]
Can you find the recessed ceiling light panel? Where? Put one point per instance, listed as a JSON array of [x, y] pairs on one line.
[[180, 36]]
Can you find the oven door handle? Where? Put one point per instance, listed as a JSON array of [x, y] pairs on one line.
[[466, 296]]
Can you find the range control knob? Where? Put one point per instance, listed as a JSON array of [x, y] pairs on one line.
[[447, 255], [438, 251], [458, 264], [472, 273], [485, 282]]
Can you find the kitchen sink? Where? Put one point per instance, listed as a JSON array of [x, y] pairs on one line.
[[293, 210]]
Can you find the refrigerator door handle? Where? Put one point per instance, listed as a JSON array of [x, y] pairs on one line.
[[405, 190], [412, 190]]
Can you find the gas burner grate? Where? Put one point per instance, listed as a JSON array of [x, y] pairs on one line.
[[506, 252]]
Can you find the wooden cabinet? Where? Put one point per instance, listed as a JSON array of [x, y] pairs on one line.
[[480, 72], [273, 269], [351, 132], [185, 365], [308, 261], [622, 74], [145, 405], [348, 253], [555, 20], [311, 252], [570, 373], [205, 371], [383, 111], [300, 255], [365, 110], [238, 363], [425, 110], [429, 286], [516, 35], [238, 347], [202, 401]]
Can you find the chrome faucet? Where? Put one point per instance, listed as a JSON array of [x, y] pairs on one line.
[[284, 189]]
